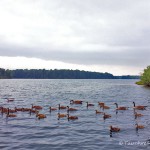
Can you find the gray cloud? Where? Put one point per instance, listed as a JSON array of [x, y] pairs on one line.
[[138, 57], [81, 32]]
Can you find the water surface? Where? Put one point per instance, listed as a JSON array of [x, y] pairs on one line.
[[90, 131]]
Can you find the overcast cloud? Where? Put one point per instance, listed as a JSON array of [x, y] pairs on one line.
[[86, 32]]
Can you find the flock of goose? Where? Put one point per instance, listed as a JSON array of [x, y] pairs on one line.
[[35, 109]]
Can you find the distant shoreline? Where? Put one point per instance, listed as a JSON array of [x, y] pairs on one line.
[[58, 74]]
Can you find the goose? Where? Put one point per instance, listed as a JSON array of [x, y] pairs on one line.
[[18, 109], [36, 107], [140, 107], [71, 109], [104, 106], [139, 126], [40, 116], [61, 115], [76, 102], [114, 129], [120, 108], [101, 103], [89, 104], [52, 109], [106, 116], [138, 115], [61, 107], [10, 115], [72, 117], [98, 112]]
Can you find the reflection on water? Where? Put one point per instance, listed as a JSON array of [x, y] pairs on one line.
[[90, 131]]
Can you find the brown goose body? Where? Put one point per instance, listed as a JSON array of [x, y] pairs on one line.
[[106, 116], [104, 106], [138, 114], [121, 107], [98, 112], [10, 115], [37, 107], [61, 115], [139, 107], [72, 117], [71, 109], [89, 104], [40, 116], [52, 109], [139, 126], [61, 107], [76, 102], [114, 129]]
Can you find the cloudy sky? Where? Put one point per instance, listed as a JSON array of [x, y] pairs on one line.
[[94, 35]]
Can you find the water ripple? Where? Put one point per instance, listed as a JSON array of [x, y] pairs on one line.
[[90, 131]]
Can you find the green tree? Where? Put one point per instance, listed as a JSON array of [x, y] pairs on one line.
[[145, 77], [5, 74]]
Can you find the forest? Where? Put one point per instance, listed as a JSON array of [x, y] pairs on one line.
[[57, 74], [5, 74], [145, 77]]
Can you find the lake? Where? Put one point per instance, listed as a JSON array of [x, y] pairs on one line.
[[89, 131]]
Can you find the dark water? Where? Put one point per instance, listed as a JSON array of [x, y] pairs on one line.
[[90, 131]]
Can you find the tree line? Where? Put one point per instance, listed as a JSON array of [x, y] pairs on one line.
[[58, 74], [5, 74], [145, 77]]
